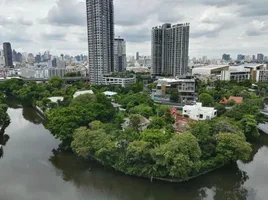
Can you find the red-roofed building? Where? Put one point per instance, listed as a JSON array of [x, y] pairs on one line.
[[237, 100]]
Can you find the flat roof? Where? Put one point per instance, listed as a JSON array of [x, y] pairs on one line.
[[55, 99], [211, 67], [82, 92], [109, 93]]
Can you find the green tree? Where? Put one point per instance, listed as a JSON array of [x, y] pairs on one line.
[[155, 137], [157, 123], [56, 82], [206, 99], [250, 127], [180, 156], [143, 110], [232, 147]]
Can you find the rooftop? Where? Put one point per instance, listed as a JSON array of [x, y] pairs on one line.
[[109, 93], [82, 92], [55, 99]]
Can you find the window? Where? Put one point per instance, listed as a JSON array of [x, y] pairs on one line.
[[201, 116]]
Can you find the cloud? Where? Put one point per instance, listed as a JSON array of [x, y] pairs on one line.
[[67, 13], [223, 3], [17, 21], [257, 28], [255, 8]]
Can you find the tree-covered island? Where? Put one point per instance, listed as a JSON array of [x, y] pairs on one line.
[[131, 133]]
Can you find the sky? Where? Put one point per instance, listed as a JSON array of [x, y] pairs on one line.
[[216, 26]]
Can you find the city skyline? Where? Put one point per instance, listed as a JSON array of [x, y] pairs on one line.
[[60, 26]]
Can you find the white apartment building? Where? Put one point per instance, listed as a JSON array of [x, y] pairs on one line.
[[197, 112]]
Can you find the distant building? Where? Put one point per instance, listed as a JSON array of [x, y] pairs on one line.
[[170, 49], [109, 94], [254, 58], [123, 82], [8, 54], [197, 112], [226, 57], [144, 123], [260, 57], [38, 58], [120, 59], [137, 56], [240, 57], [2, 59], [100, 27]]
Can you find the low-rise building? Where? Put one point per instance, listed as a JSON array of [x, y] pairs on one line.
[[55, 99], [197, 112], [123, 82], [109, 94], [185, 87], [76, 94]]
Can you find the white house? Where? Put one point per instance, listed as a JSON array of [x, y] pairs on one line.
[[197, 112], [55, 99], [109, 94], [82, 92]]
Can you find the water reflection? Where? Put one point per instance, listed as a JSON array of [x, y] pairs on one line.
[[226, 183], [3, 141]]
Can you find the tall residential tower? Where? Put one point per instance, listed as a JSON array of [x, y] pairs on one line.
[[170, 48], [120, 59], [8, 54], [100, 26]]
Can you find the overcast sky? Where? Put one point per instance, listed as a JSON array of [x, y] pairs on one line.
[[216, 26]]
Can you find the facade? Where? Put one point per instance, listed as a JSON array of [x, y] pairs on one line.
[[8, 54], [100, 27], [120, 58], [197, 112], [123, 82], [2, 59], [185, 87], [260, 57], [170, 49], [226, 57]]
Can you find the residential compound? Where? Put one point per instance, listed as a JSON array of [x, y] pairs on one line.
[[100, 27], [170, 48], [120, 58], [254, 72], [185, 87]]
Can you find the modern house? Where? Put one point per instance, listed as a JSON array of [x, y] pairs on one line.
[[185, 88], [197, 112]]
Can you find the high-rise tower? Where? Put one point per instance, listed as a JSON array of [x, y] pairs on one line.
[[170, 49], [100, 27], [120, 59], [8, 54]]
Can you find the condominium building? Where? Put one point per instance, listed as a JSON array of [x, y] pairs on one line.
[[120, 59], [170, 48], [100, 27], [8, 54]]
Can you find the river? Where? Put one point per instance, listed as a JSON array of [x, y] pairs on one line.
[[32, 169]]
